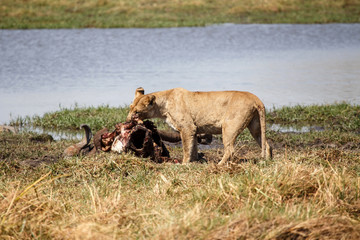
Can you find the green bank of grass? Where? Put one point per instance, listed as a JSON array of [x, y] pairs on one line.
[[340, 116], [23, 14], [339, 123], [71, 118]]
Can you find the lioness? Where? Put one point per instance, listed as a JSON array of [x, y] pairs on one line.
[[226, 112]]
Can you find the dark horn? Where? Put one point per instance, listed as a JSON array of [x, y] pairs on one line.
[[88, 134]]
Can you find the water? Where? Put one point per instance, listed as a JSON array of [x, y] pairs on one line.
[[56, 134], [41, 70], [294, 129]]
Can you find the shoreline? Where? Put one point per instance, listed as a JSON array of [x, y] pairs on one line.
[[67, 118], [154, 14], [172, 27]]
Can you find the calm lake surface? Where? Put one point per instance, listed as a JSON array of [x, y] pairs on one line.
[[41, 70]]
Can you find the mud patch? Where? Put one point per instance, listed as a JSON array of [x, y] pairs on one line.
[[29, 149], [35, 162]]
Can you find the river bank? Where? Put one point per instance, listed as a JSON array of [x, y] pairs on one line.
[[150, 14]]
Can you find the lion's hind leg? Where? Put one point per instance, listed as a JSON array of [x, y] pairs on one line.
[[230, 131]]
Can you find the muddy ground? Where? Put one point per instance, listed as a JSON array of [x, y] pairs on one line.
[[34, 149]]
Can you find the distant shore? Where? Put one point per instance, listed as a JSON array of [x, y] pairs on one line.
[[25, 14]]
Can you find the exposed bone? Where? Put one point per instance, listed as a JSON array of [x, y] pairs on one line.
[[117, 145]]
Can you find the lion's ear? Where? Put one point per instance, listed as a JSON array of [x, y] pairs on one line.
[[151, 99], [139, 91]]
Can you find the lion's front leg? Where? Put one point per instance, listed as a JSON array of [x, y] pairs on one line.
[[189, 142]]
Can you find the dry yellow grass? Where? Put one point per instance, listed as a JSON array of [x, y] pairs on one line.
[[304, 193]]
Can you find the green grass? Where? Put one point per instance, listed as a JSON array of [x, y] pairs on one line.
[[23, 14], [72, 118], [341, 123], [341, 116]]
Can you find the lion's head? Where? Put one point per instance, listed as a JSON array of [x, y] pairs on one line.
[[143, 105]]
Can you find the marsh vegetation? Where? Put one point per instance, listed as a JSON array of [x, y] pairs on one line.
[[23, 14], [311, 189]]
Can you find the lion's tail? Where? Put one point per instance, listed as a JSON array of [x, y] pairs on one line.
[[266, 150]]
